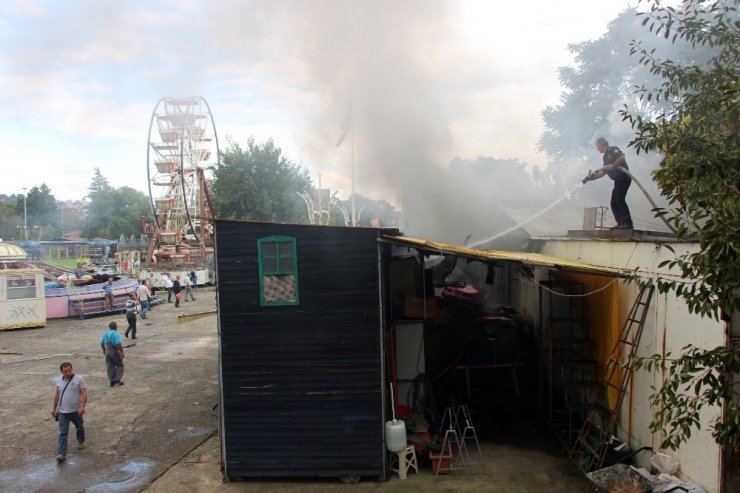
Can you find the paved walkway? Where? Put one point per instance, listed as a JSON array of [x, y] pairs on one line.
[[135, 432], [507, 469]]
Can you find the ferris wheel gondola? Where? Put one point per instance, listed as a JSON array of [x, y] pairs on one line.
[[181, 150]]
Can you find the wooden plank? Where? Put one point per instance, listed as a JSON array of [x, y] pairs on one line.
[[302, 385]]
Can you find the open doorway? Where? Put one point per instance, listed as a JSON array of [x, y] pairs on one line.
[[489, 336]]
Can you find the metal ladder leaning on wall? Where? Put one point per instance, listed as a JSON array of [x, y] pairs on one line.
[[590, 448]]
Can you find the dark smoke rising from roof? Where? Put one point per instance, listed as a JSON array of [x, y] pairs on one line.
[[397, 66], [408, 76]]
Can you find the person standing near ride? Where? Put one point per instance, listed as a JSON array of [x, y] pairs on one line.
[[108, 294], [614, 158], [167, 281], [131, 311], [144, 294], [113, 350], [70, 400], [188, 284], [177, 290]]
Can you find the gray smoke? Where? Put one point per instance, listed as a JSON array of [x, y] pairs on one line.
[[399, 66], [405, 67], [404, 70]]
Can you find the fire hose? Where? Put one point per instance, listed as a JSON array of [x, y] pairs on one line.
[[639, 185]]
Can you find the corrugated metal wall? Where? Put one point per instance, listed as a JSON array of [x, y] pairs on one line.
[[301, 385]]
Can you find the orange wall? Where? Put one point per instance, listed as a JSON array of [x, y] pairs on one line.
[[602, 309]]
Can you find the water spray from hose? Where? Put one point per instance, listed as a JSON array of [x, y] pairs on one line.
[[568, 195], [531, 218]]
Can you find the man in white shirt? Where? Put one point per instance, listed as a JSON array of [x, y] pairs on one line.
[[167, 281], [188, 289], [143, 293], [69, 406]]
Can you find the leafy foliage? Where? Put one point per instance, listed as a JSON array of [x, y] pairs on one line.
[[692, 119], [42, 213], [697, 378], [367, 210], [505, 178], [697, 132], [114, 211], [259, 183], [99, 183], [602, 81], [11, 223]]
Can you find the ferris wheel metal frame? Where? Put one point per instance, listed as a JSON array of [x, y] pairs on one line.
[[180, 149]]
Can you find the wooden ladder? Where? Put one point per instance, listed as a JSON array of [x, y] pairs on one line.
[[590, 448]]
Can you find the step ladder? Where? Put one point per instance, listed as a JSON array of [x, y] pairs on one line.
[[452, 442], [589, 451], [468, 430]]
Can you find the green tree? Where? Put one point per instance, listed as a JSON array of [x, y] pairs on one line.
[[72, 215], [596, 87], [11, 223], [259, 183], [42, 213], [505, 178], [99, 183], [692, 120], [367, 210], [114, 211]]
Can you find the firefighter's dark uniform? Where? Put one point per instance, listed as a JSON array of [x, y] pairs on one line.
[[622, 183]]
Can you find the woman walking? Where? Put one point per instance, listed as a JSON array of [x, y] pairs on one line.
[[176, 290], [113, 351]]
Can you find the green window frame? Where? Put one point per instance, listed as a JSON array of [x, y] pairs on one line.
[[278, 271]]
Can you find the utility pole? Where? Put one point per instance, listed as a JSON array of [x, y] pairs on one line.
[[352, 142], [25, 216]]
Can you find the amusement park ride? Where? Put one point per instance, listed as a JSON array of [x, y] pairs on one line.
[[182, 147]]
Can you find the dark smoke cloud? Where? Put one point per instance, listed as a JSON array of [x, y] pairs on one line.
[[404, 70], [291, 69]]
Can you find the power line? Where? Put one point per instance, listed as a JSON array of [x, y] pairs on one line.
[[582, 295]]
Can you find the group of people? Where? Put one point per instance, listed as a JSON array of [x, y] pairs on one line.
[[70, 397], [139, 302], [178, 286]]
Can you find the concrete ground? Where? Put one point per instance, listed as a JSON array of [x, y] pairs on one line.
[[135, 432], [505, 468], [157, 432]]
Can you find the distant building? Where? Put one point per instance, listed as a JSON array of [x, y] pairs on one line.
[[327, 332], [21, 290], [95, 250]]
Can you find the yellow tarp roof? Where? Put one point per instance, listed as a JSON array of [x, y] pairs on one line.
[[533, 259]]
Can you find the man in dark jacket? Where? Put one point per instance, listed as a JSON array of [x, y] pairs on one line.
[[613, 159], [176, 288]]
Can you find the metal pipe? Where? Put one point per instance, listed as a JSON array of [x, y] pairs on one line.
[[25, 216]]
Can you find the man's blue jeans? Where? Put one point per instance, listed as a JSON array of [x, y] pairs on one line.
[[64, 420], [144, 308]]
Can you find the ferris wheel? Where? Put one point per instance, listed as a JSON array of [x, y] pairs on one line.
[[182, 147]]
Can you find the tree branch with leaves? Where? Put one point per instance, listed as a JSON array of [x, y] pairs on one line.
[[694, 125]]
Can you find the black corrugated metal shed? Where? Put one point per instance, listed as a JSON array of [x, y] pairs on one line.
[[301, 363]]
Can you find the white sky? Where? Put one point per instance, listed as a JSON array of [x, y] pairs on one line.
[[79, 80]]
